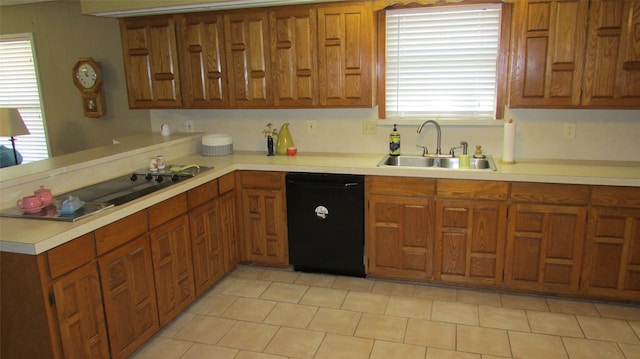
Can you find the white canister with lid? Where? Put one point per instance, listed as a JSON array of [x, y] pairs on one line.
[[217, 144]]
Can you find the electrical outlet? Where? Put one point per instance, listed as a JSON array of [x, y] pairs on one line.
[[312, 126], [188, 126], [569, 130], [369, 127]]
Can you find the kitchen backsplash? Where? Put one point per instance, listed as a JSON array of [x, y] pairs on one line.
[[600, 134]]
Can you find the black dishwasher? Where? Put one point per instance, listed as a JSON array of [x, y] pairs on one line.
[[326, 223]]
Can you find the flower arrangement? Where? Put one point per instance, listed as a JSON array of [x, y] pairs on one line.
[[269, 131]]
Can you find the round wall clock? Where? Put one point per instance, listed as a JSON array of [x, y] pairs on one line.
[[87, 76]]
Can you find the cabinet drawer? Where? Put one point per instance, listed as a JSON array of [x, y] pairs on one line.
[[226, 183], [166, 210], [491, 190], [120, 232], [550, 193], [400, 186], [615, 196], [71, 255], [202, 194], [258, 179]]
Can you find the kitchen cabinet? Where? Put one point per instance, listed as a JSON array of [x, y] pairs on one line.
[[400, 227], [263, 217], [203, 60], [229, 221], [170, 244], [151, 61], [576, 54], [545, 237], [346, 62], [470, 221], [612, 253]]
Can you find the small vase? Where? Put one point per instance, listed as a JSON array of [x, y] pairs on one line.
[[270, 146], [284, 140]]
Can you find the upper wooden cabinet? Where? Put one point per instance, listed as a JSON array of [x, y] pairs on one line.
[[151, 62], [576, 54]]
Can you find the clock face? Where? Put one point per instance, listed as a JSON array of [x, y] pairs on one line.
[[86, 75]]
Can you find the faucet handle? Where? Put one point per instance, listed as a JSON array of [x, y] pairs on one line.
[[425, 151]]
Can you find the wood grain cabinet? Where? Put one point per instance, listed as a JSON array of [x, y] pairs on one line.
[[263, 217], [574, 53], [612, 254], [151, 62], [470, 221], [545, 237], [228, 226], [400, 227]]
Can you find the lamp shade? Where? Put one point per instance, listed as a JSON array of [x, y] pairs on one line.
[[11, 123]]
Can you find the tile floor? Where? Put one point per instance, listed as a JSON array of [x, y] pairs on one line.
[[263, 313]]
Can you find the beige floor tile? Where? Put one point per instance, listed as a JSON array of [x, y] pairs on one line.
[[205, 329], [247, 272], [409, 307], [176, 324], [536, 346], [335, 321], [253, 355], [324, 297], [452, 312], [435, 292], [249, 309], [554, 324], [503, 318], [635, 325], [199, 351], [284, 292], [213, 305], [165, 348], [281, 275], [383, 327], [316, 280], [296, 343], [572, 307], [435, 353], [344, 347], [391, 288], [591, 349], [351, 283], [630, 350], [612, 330], [291, 315], [478, 297], [618, 311], [249, 336], [431, 334], [365, 302], [385, 350], [524, 302], [483, 340], [241, 287]]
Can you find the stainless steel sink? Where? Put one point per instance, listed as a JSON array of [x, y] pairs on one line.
[[486, 164]]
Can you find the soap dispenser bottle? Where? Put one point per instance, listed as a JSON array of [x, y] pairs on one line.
[[394, 142]]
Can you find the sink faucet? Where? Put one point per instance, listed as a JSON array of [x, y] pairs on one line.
[[438, 132]]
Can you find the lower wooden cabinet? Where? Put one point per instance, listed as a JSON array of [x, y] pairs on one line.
[[206, 246], [228, 216]]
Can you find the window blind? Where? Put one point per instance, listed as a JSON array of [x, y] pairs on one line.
[[19, 89], [441, 62]]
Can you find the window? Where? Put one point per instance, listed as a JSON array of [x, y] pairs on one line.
[[19, 89], [442, 62]]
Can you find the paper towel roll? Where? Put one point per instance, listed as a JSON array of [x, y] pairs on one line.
[[509, 143]]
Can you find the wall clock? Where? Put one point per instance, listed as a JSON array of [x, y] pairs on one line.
[[87, 76]]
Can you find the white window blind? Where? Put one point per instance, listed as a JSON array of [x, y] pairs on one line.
[[19, 89], [441, 62]]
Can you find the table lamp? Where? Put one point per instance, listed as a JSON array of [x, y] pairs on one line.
[[11, 125]]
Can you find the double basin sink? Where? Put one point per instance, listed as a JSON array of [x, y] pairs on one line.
[[485, 164]]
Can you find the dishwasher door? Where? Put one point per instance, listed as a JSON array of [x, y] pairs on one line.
[[326, 223]]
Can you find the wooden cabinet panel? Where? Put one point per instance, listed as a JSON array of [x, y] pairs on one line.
[[464, 189], [204, 70], [613, 54], [168, 209], [345, 48], [71, 255], [172, 267], [202, 194], [206, 246], [129, 296], [294, 56], [229, 230], [151, 62], [120, 232], [249, 65], [549, 193], [400, 186]]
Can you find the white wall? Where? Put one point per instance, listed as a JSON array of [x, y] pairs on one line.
[[600, 134]]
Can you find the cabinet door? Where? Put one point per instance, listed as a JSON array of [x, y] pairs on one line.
[[294, 55], [172, 267], [345, 48], [612, 75], [129, 296], [400, 233], [548, 62], [78, 298], [247, 43], [204, 70], [612, 255], [545, 247], [206, 246], [470, 241], [229, 230], [151, 62]]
